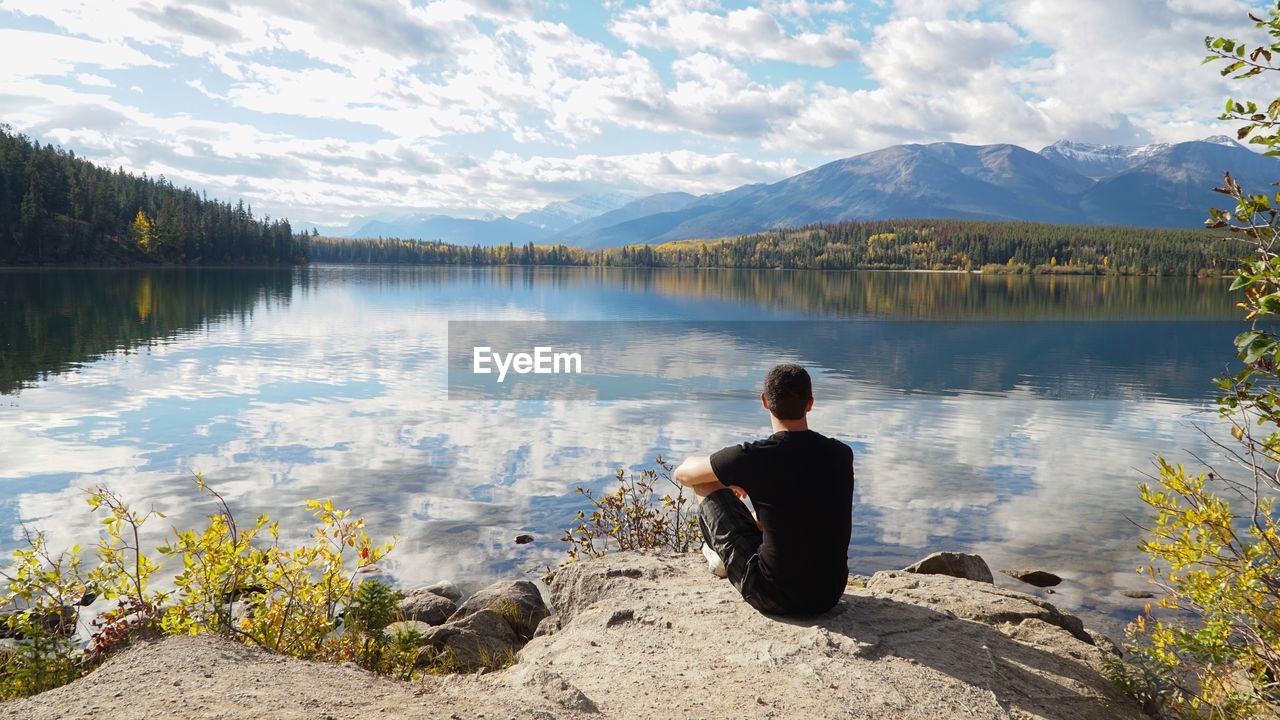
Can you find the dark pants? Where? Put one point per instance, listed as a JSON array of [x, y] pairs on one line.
[[727, 526]]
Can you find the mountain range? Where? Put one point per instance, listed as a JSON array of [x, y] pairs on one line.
[[1159, 185]]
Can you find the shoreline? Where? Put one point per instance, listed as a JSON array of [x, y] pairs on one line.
[[638, 634]]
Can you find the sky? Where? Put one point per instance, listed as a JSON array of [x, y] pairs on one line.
[[321, 112]]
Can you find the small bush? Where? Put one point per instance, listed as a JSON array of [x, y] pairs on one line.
[[634, 517], [236, 581], [375, 606], [1223, 571], [290, 598]]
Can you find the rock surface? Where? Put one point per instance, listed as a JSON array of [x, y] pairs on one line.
[[481, 638], [445, 589], [402, 626], [516, 600], [639, 635], [426, 606], [960, 565]]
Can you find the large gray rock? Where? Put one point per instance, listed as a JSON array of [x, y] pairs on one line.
[[959, 565], [426, 606], [907, 646], [653, 635], [516, 600], [990, 605], [483, 638]]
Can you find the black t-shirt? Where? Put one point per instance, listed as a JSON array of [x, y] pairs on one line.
[[801, 484]]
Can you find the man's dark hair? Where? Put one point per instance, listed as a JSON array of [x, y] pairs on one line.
[[787, 390]]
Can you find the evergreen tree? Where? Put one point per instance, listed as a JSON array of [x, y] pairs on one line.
[[168, 232]]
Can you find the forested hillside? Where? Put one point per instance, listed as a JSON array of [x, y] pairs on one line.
[[925, 244], [56, 209]]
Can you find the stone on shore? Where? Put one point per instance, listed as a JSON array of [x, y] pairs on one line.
[[1039, 578], [445, 589], [959, 565], [426, 606], [405, 626], [483, 638], [518, 601]]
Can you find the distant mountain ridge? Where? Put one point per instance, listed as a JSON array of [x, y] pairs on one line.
[[458, 231], [1165, 185], [532, 226], [563, 215]]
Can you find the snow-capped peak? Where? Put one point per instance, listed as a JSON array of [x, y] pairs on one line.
[[1093, 151], [1221, 140], [1095, 160]]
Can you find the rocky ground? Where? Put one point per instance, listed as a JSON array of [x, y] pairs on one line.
[[657, 636]]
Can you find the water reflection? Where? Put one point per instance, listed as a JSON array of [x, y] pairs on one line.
[[684, 360], [1009, 429], [55, 320]]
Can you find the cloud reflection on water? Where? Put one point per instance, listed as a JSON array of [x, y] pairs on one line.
[[1027, 457]]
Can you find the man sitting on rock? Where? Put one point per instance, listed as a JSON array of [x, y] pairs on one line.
[[794, 559]]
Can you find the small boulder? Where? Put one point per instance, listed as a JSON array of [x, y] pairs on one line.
[[445, 589], [524, 539], [482, 638], [961, 565], [404, 626], [1039, 578], [1137, 594], [59, 621], [516, 600], [425, 606]]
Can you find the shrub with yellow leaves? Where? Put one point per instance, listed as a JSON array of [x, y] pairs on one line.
[[1211, 647]]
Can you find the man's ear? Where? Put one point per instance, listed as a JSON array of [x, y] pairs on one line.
[[809, 406], [764, 402]]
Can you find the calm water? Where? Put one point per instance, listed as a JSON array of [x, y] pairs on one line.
[[1010, 417]]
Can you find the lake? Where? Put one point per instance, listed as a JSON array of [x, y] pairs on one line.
[[1008, 416]]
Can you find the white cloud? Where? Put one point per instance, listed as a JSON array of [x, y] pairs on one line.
[[806, 8], [431, 80], [1123, 64], [329, 178], [26, 54], [915, 55], [94, 80], [689, 26]]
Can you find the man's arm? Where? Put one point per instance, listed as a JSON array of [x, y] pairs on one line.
[[696, 472]]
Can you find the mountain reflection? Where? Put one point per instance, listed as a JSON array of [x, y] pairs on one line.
[[635, 360]]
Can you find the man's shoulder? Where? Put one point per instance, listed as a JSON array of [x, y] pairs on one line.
[[831, 444], [786, 442]]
